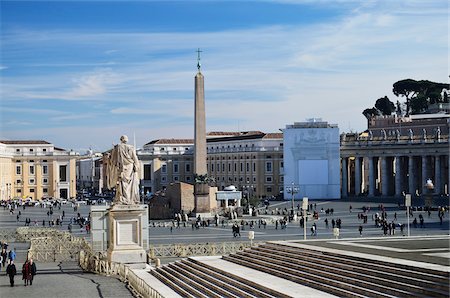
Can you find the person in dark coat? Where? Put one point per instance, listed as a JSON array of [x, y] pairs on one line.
[[26, 272], [11, 272], [32, 271]]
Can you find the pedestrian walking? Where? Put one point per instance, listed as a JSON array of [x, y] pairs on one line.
[[11, 272], [26, 272], [360, 229], [33, 271]]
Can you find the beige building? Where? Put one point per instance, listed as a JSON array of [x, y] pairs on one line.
[[36, 169], [251, 161]]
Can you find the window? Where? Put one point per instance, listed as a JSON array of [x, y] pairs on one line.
[[18, 181], [147, 172], [45, 170], [281, 164], [175, 178], [164, 168], [63, 173], [45, 181], [281, 178], [268, 156], [17, 150], [31, 150], [269, 166], [268, 179], [188, 179], [212, 167], [31, 181], [163, 179], [223, 167], [174, 149], [31, 170], [19, 190], [17, 160], [44, 160], [45, 190], [269, 189], [254, 179], [229, 167], [18, 170], [175, 168], [218, 167], [31, 190], [247, 167], [254, 167], [235, 166], [44, 150], [31, 160], [162, 149], [242, 166], [188, 168]]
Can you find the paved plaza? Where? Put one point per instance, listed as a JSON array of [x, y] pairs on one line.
[[428, 245], [166, 232]]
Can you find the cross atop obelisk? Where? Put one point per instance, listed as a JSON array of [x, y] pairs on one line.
[[198, 59]]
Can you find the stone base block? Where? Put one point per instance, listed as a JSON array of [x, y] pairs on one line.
[[136, 259]]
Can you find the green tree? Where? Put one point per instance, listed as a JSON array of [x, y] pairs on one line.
[[385, 106], [369, 113], [408, 88]]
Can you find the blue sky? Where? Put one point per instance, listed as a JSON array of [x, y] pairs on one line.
[[81, 73]]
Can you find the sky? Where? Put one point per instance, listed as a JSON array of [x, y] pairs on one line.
[[81, 73]]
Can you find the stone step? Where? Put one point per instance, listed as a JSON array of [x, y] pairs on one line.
[[200, 290], [401, 269], [179, 284], [191, 273], [173, 285], [229, 290], [254, 289], [320, 274], [366, 274], [322, 284]]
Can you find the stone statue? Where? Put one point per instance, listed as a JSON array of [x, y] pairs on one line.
[[438, 133], [424, 131], [411, 134], [123, 173], [397, 135], [370, 135], [383, 134]]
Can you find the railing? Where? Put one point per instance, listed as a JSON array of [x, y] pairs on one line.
[[50, 245], [198, 249], [98, 264]]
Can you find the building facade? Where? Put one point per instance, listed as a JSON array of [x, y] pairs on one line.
[[252, 161], [397, 155], [36, 169], [90, 174], [311, 158]]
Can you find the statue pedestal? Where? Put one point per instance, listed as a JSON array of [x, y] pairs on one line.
[[128, 236]]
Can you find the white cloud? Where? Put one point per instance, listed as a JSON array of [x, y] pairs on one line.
[[263, 78]]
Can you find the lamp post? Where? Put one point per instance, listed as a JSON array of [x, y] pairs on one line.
[[304, 207], [292, 190], [408, 204]]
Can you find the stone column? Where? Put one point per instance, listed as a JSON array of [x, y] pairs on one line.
[[437, 174], [424, 174], [411, 188], [357, 176], [344, 177], [371, 177], [398, 176], [384, 176]]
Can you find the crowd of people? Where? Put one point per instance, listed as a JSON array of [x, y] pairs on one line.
[[8, 259]]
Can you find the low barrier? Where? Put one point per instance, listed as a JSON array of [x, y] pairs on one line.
[[97, 264], [198, 249], [50, 245]]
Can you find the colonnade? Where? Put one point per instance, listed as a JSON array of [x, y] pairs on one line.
[[393, 175]]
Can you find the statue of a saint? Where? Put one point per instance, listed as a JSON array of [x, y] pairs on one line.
[[123, 173]]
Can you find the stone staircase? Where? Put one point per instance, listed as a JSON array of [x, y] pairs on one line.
[[333, 273]]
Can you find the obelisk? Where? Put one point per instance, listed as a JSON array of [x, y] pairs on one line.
[[201, 186]]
